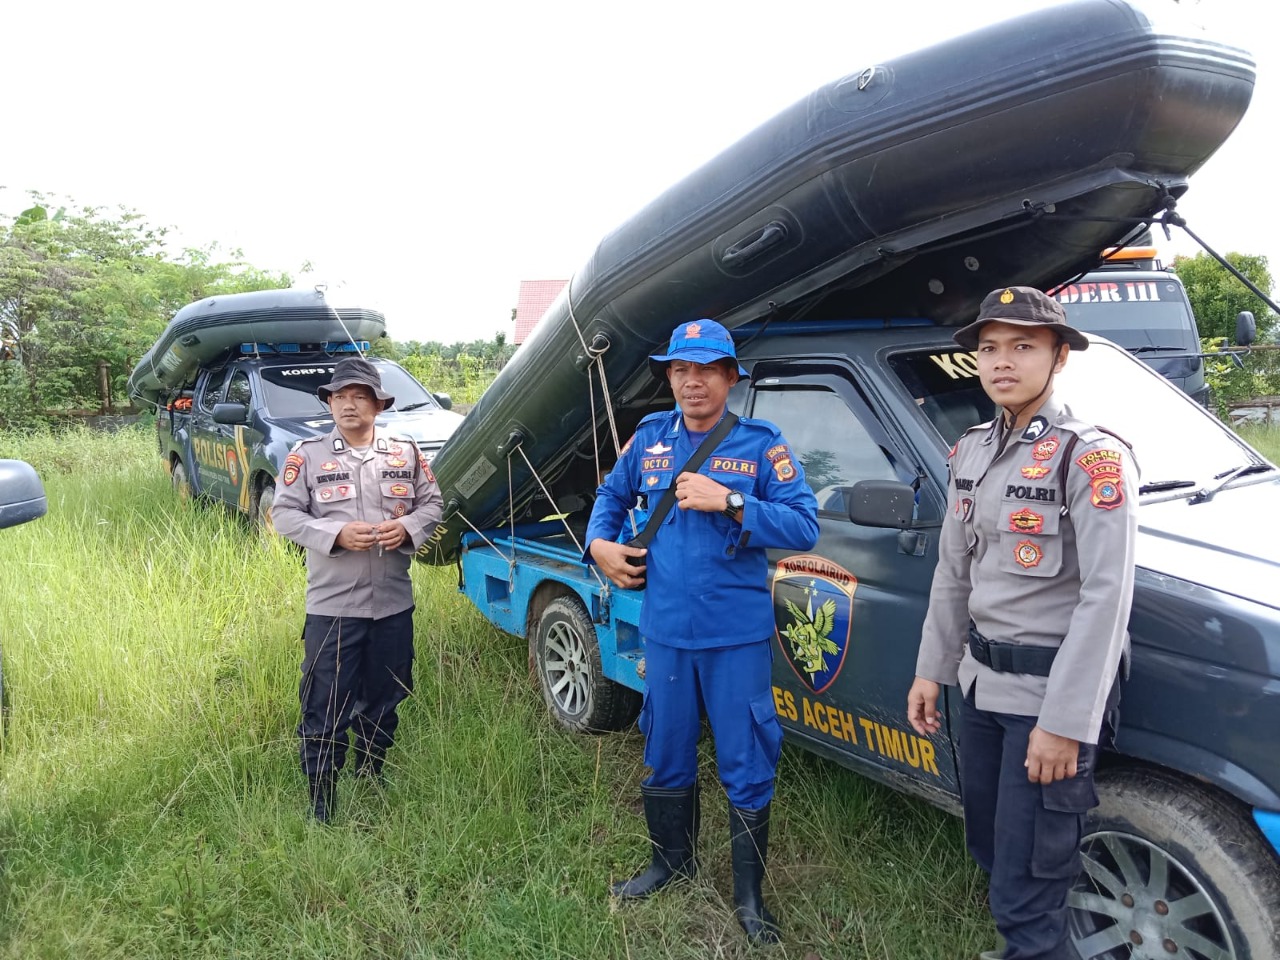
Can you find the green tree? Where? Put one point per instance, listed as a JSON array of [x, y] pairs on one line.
[[83, 289], [1217, 296]]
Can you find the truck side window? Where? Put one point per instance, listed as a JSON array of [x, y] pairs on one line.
[[212, 389], [834, 446], [238, 389]]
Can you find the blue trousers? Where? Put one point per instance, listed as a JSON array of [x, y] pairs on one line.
[[355, 672], [733, 687], [1025, 835]]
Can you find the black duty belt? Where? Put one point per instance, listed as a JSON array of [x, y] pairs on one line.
[[1010, 657]]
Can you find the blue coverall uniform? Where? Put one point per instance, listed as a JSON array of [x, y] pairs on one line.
[[707, 617]]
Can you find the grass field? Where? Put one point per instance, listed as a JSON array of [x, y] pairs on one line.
[[151, 805]]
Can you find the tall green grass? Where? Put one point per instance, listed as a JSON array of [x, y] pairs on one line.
[[151, 804]]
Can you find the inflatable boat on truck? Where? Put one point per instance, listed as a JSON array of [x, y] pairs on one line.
[[201, 332], [909, 188]]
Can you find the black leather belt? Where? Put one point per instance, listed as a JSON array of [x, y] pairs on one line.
[[1010, 657]]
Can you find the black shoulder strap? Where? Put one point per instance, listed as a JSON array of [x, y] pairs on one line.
[[709, 443]]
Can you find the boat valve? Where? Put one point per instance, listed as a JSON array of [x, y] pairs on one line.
[[508, 446]]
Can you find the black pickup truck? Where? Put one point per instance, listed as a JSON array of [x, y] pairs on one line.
[[225, 437]]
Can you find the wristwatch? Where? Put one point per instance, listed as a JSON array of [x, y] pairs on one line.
[[734, 502]]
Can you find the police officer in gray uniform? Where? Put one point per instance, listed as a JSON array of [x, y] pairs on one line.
[[1027, 615], [361, 502]]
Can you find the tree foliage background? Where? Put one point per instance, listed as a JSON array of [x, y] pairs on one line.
[[86, 286], [1217, 298]]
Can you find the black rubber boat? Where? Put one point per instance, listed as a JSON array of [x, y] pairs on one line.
[[202, 331], [909, 188]]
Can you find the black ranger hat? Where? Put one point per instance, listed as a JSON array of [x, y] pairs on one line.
[[1022, 307], [351, 370]]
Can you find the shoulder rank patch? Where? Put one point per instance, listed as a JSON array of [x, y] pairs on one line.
[[1027, 553], [292, 464], [1037, 426], [1104, 468]]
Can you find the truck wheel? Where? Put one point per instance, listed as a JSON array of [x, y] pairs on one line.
[[1173, 870], [181, 484], [567, 658], [262, 502]]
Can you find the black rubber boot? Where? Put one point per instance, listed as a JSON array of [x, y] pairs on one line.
[[324, 796], [749, 839], [673, 817]]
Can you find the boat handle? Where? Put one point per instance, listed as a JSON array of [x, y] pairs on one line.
[[757, 243]]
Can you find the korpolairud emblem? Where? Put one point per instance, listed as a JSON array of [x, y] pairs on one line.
[[813, 615]]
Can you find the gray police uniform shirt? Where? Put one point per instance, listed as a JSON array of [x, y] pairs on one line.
[[325, 485], [1029, 568]]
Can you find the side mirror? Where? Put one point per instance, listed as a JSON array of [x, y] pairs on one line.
[[1246, 328], [444, 400], [21, 493], [882, 503], [230, 413]]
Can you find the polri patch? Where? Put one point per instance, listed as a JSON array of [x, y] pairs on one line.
[[743, 468]]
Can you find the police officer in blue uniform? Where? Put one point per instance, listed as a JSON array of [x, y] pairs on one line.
[[707, 617], [1027, 616]]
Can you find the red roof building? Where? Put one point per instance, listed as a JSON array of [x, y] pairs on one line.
[[535, 297]]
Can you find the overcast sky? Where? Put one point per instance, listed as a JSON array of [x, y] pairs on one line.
[[435, 155]]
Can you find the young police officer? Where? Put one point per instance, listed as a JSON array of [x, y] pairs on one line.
[[361, 502], [707, 617], [1027, 614]]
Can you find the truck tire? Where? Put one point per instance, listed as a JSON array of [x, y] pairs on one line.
[[567, 661], [1173, 870], [181, 482], [262, 501]]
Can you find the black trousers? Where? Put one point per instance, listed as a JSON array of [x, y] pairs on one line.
[[355, 672], [1025, 835]]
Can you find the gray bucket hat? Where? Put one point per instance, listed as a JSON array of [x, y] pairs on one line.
[[1022, 307], [350, 370]]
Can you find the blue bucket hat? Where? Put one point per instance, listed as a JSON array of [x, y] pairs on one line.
[[699, 341]]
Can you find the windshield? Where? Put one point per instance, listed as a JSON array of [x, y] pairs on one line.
[[291, 388], [1132, 313], [1172, 436]]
